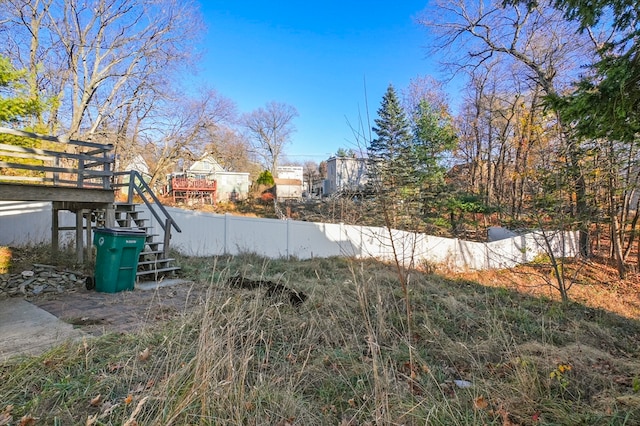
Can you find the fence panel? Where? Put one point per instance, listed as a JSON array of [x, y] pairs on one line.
[[208, 234]]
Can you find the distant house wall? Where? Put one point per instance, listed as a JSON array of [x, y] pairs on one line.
[[288, 189], [232, 186], [345, 173], [290, 172]]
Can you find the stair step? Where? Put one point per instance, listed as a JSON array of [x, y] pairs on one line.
[[135, 219], [129, 216], [151, 252], [155, 262], [123, 222], [158, 271]]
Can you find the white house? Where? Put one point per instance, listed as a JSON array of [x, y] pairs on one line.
[[290, 172], [288, 189], [205, 168], [345, 174], [230, 185], [289, 182]]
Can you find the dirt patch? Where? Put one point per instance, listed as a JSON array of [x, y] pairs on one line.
[[128, 311]]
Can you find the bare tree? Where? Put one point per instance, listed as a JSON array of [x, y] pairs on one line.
[[424, 88], [91, 58], [184, 130], [311, 172], [269, 131], [231, 149], [543, 53]]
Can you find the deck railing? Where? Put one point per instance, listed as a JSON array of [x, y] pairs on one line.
[[70, 163], [138, 186], [61, 163]]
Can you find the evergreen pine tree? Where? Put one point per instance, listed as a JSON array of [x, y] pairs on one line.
[[434, 136], [389, 152], [390, 161]]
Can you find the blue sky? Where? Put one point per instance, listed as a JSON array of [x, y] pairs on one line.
[[316, 56]]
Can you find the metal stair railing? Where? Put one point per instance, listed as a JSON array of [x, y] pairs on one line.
[[137, 186]]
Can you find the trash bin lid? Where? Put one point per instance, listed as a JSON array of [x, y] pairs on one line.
[[120, 231]]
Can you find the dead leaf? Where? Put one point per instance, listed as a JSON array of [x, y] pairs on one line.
[[480, 403], [50, 362], [91, 420], [144, 355], [128, 399], [132, 418], [27, 421], [96, 401]]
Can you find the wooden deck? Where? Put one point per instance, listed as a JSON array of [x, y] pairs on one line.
[[84, 196], [73, 175], [189, 190]]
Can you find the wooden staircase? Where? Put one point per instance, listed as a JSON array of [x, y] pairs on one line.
[[154, 262]]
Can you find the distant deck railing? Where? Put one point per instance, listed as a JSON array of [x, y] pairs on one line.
[[59, 162], [190, 184], [187, 189]]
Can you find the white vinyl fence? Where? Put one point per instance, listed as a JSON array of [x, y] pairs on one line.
[[207, 234]]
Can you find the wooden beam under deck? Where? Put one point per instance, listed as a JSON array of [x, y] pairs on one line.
[[22, 192], [80, 201]]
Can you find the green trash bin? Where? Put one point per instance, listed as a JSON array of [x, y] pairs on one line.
[[118, 250]]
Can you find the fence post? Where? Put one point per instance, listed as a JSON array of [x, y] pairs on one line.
[[132, 183], [227, 233], [167, 238], [56, 175], [106, 167], [289, 236], [55, 236], [79, 236]]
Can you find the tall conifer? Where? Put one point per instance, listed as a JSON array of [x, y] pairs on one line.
[[389, 152], [391, 168]]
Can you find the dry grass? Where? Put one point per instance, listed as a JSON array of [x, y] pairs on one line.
[[469, 354], [596, 284]]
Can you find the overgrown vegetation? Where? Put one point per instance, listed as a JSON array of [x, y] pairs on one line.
[[479, 355]]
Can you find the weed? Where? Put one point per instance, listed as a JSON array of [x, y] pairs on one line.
[[349, 354]]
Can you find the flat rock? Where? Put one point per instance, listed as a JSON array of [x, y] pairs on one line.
[[26, 329]]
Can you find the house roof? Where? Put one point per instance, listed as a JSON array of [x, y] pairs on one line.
[[206, 164]]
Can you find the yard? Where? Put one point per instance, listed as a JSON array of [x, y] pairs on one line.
[[350, 353]]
